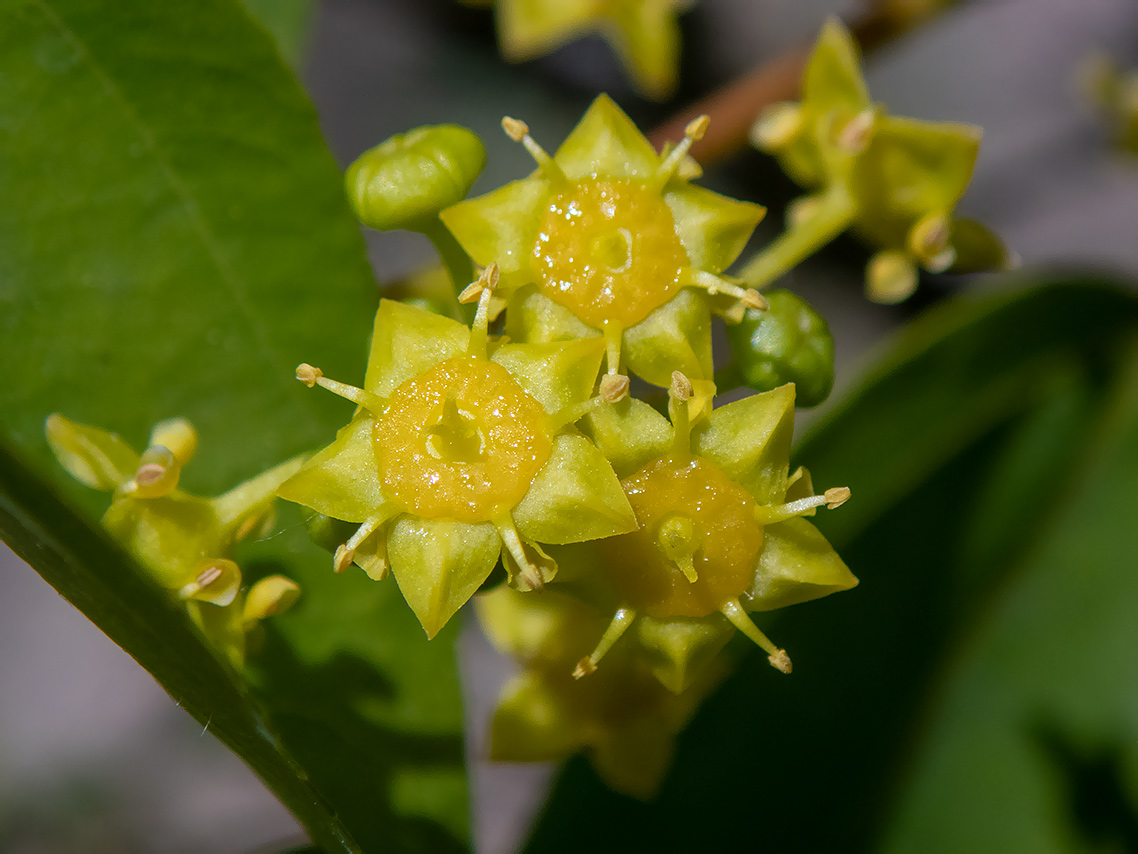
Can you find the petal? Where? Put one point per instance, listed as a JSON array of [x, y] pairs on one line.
[[575, 497], [440, 564], [680, 649], [534, 317], [96, 457], [223, 628], [254, 497], [647, 38], [606, 143], [171, 536], [533, 721], [750, 440], [630, 434], [675, 337], [557, 375], [978, 248], [407, 341], [796, 564], [342, 481], [833, 77], [530, 28], [713, 228], [501, 227]]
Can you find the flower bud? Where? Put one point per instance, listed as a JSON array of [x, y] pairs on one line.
[[405, 181], [789, 342]]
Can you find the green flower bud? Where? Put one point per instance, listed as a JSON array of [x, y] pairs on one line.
[[405, 181], [790, 342]]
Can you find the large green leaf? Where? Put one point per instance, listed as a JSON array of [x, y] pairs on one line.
[[173, 241], [287, 22], [960, 448]]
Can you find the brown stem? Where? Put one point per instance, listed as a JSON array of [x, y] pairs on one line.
[[734, 108]]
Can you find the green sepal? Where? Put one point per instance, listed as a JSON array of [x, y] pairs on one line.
[[647, 39], [680, 649], [501, 227], [407, 341], [557, 375], [630, 434], [341, 481], [788, 342], [750, 441], [440, 564], [911, 168], [833, 79], [553, 628], [527, 30], [607, 143], [713, 228], [533, 317], [978, 248], [406, 180], [796, 564], [171, 536], [575, 497], [674, 337], [95, 457], [534, 720]]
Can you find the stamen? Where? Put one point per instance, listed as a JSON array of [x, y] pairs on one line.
[[613, 339], [668, 167], [619, 625], [836, 496], [714, 285], [346, 552], [734, 612], [157, 475], [479, 329], [518, 131], [312, 376], [831, 499], [206, 587], [614, 387], [679, 394], [929, 241], [529, 575], [855, 135]]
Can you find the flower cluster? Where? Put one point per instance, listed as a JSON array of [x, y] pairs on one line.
[[634, 545], [184, 541]]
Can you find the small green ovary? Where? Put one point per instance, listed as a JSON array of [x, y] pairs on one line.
[[608, 251]]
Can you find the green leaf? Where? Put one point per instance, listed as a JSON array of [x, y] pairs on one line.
[[287, 22], [962, 447], [174, 241]]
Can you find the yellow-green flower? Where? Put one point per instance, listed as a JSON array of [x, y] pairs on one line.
[[895, 181], [462, 450], [185, 541], [720, 529], [608, 239], [644, 33], [622, 717]]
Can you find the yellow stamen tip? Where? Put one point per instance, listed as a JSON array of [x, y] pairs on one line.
[[614, 387], [836, 497], [471, 292], [585, 667], [753, 299], [308, 374], [515, 129], [697, 128], [780, 661], [343, 558], [681, 387]]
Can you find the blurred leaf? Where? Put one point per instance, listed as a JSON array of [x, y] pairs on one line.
[[958, 447], [287, 22], [174, 241]]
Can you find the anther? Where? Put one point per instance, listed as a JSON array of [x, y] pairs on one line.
[[753, 299], [307, 374], [733, 611], [614, 387], [855, 135], [515, 129], [697, 127], [671, 164], [518, 131], [343, 558], [621, 620], [681, 387], [836, 496]]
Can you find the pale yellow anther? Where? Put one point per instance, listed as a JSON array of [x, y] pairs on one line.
[[681, 388], [528, 578], [208, 576], [780, 661], [855, 135], [836, 497], [515, 129], [307, 374], [157, 474], [753, 299], [206, 586], [149, 474], [343, 558], [929, 241], [471, 293], [614, 387], [697, 127], [585, 667], [621, 620]]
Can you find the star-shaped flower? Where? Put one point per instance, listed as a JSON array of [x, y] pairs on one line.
[[185, 541], [609, 239], [895, 181], [644, 33], [462, 450]]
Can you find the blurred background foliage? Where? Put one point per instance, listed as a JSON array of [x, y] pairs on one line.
[[175, 240]]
